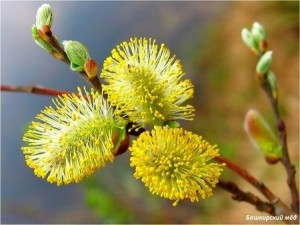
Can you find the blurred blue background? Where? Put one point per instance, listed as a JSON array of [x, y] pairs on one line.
[[100, 26]]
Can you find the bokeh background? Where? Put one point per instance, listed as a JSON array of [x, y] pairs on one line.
[[205, 36]]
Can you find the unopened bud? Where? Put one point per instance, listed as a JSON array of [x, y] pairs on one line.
[[249, 40], [44, 16], [47, 30], [247, 37], [91, 68], [258, 32], [263, 46], [272, 158], [271, 78], [120, 139], [262, 136], [265, 62], [77, 53], [36, 34]]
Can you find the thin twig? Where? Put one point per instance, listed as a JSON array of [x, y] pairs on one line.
[[289, 167], [33, 89], [38, 89], [284, 213], [248, 177], [240, 195], [64, 58], [282, 134], [280, 208]]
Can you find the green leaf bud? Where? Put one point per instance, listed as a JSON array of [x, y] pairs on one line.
[[271, 78], [264, 64], [259, 35], [262, 136], [248, 39], [258, 32], [44, 16], [41, 42], [77, 53]]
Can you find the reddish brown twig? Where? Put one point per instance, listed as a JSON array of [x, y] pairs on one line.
[[282, 135], [38, 89], [284, 213], [248, 177], [278, 206], [61, 55], [239, 195], [289, 167], [33, 89]]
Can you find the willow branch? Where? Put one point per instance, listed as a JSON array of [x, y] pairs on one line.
[[239, 195], [62, 56], [285, 160], [280, 208], [38, 89], [282, 135], [249, 178], [33, 89], [272, 209]]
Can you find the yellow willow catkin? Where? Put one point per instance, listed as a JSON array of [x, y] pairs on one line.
[[174, 163], [145, 81], [72, 140]]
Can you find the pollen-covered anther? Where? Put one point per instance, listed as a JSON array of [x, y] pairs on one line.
[[174, 163], [73, 139], [142, 76]]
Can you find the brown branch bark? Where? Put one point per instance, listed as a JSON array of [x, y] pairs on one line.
[[285, 160], [248, 177], [239, 195], [282, 135], [33, 89], [272, 209], [38, 89], [279, 208], [62, 56]]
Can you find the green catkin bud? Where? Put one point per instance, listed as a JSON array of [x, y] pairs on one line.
[[248, 39], [42, 43], [44, 16], [259, 35], [265, 62], [258, 32], [262, 136], [255, 39], [77, 53]]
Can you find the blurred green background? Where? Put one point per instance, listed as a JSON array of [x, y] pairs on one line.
[[205, 36]]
